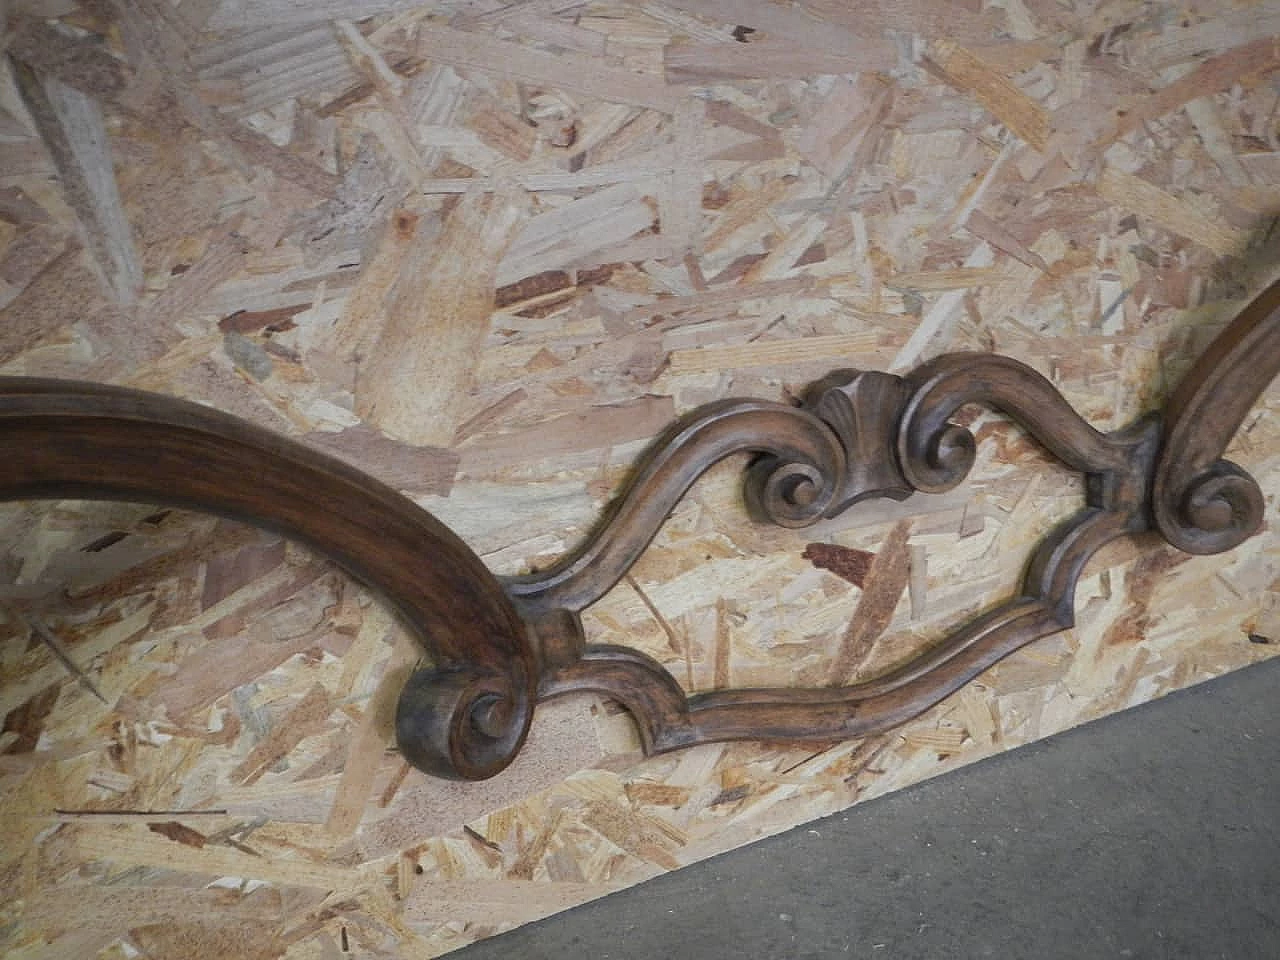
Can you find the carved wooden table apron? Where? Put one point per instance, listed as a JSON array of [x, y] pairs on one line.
[[497, 646]]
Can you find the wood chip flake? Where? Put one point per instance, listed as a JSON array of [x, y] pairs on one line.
[[785, 25], [590, 429], [937, 281], [841, 122], [1147, 200], [307, 717], [886, 578], [122, 907], [564, 235], [370, 741], [73, 128], [364, 310], [1027, 119], [763, 353], [1245, 65], [565, 71], [941, 318], [1208, 122], [680, 205], [137, 848], [1227, 29], [705, 62], [437, 320], [723, 298], [223, 258], [941, 739]]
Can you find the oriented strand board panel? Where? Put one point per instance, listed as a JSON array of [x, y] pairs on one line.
[[486, 250]]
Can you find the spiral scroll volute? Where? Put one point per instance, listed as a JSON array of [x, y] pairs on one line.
[[799, 480], [939, 459], [859, 412], [791, 493], [934, 454], [1214, 511], [463, 723]]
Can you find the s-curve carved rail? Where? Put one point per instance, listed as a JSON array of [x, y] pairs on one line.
[[498, 645]]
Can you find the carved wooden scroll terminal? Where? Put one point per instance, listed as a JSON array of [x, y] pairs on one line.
[[496, 646]]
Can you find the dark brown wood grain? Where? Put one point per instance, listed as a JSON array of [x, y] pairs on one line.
[[815, 461], [496, 645], [1204, 504], [1117, 467], [807, 458], [68, 439]]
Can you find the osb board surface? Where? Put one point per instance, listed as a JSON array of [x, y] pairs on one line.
[[485, 250]]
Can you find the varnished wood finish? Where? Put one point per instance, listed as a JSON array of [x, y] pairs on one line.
[[69, 439], [818, 459], [807, 452], [1117, 466], [1204, 504], [496, 644], [936, 454]]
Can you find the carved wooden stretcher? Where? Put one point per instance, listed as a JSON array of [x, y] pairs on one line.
[[497, 646]]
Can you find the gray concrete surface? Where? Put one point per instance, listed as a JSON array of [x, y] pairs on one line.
[[1151, 834]]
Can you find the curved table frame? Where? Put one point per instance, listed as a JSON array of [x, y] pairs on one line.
[[497, 646]]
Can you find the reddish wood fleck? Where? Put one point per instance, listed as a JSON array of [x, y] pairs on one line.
[[844, 562], [179, 833], [27, 721], [886, 578], [251, 321]]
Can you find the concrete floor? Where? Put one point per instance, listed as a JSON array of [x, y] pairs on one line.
[[1151, 834]]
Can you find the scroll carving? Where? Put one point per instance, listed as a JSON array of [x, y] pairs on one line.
[[1204, 504], [935, 452], [496, 646]]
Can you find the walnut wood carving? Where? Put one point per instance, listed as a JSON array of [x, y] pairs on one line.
[[469, 718], [496, 646]]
